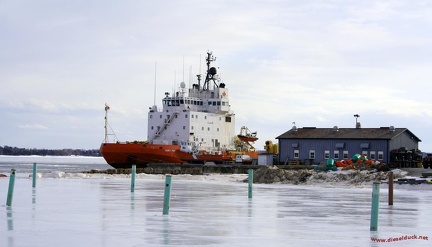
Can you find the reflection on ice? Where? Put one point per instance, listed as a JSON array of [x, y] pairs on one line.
[[100, 210]]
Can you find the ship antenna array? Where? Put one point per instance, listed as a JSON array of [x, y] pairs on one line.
[[108, 125], [210, 74]]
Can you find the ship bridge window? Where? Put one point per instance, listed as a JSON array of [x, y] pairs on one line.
[[209, 103], [228, 119], [223, 103], [194, 102], [214, 102], [181, 102], [218, 103]]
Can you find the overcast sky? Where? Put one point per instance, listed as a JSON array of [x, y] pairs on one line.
[[315, 63]]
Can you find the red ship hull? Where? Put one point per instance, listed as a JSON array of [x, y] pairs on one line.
[[216, 158], [124, 155], [203, 157]]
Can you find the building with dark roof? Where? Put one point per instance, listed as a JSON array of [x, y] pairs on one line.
[[311, 145]]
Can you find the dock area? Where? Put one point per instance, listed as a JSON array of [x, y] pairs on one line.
[[197, 169]]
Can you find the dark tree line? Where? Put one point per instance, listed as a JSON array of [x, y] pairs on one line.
[[7, 150]]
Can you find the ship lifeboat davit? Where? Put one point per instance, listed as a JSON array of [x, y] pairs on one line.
[[246, 135]]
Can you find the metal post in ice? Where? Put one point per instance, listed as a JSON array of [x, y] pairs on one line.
[[167, 195], [250, 180], [11, 188], [34, 175], [375, 206], [133, 178], [390, 188]]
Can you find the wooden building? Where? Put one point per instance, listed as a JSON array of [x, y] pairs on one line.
[[311, 145]]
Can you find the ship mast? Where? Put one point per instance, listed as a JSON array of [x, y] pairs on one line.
[[107, 125], [106, 122], [211, 72]]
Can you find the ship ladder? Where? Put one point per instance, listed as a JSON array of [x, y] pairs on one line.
[[166, 123]]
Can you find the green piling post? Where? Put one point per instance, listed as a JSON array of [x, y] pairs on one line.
[[390, 188], [34, 175], [375, 206], [11, 188], [250, 180], [133, 178], [167, 195]]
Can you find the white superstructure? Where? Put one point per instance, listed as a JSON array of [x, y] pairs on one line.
[[201, 116]]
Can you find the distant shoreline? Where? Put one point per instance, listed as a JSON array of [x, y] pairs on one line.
[[15, 151]]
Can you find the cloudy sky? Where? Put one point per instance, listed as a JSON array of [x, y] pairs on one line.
[[315, 63]]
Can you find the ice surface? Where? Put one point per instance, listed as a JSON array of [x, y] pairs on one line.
[[76, 209]]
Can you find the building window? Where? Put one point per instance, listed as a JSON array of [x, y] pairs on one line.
[[311, 154], [380, 155], [345, 155], [364, 153], [372, 155], [364, 145], [336, 154], [326, 154], [340, 145], [296, 154]]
